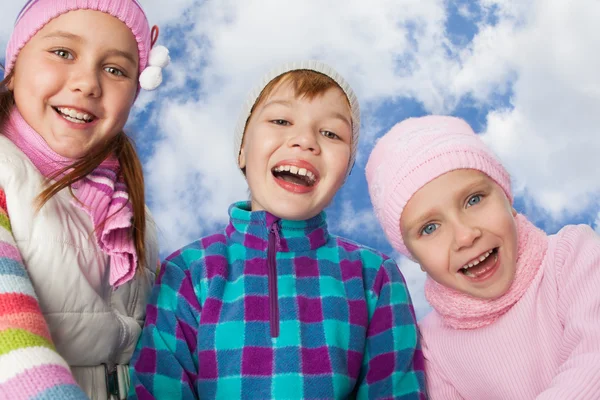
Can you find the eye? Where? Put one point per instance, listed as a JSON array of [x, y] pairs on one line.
[[63, 54], [429, 229], [114, 71], [329, 135], [476, 199], [281, 122]]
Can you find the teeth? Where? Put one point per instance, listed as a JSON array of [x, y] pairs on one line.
[[296, 171], [480, 259], [77, 121], [69, 112]]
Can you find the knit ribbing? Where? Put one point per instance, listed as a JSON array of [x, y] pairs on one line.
[[415, 152], [30, 367], [36, 15], [462, 311], [102, 195], [547, 346]]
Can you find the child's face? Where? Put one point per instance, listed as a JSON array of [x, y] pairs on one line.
[[76, 79], [457, 220], [296, 151]]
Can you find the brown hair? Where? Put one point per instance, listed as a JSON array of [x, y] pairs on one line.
[[306, 84], [131, 171]]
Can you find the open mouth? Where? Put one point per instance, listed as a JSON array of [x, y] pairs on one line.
[[481, 265], [295, 175], [73, 115]]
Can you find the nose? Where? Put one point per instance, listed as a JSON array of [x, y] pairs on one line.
[[305, 138], [465, 234], [86, 80]]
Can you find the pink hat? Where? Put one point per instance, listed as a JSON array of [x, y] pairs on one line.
[[37, 13], [415, 152]]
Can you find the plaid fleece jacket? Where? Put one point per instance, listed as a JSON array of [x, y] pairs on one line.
[[278, 309]]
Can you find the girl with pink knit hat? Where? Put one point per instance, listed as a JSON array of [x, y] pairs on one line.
[[74, 230], [516, 312]]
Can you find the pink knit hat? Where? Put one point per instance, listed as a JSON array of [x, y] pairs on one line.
[[37, 13], [415, 152]]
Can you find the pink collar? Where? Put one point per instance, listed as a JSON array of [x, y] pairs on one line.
[[100, 194], [461, 311]]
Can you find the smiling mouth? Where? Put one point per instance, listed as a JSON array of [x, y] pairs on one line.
[[481, 265], [73, 115], [295, 175]]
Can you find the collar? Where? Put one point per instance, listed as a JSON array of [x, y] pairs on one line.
[[252, 228]]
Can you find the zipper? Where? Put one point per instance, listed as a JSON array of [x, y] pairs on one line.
[[272, 266]]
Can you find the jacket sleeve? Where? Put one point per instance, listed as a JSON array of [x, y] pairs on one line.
[[393, 362], [165, 364], [26, 349], [578, 277]]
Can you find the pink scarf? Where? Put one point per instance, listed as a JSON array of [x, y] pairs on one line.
[[461, 311], [101, 194]]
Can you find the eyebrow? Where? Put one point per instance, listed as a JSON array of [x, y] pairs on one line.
[[71, 36], [478, 183], [280, 102], [287, 103], [341, 116], [418, 222], [124, 54], [64, 35]]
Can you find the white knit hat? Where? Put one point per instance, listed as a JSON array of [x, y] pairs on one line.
[[311, 65]]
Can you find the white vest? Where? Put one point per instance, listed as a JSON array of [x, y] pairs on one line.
[[91, 323]]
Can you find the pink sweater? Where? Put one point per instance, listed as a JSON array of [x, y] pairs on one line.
[[547, 346]]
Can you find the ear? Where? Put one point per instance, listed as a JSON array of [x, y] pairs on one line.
[[242, 159]]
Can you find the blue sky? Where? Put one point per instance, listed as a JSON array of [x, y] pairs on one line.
[[523, 74]]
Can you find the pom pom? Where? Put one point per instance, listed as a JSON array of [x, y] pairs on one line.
[[151, 78], [159, 57]]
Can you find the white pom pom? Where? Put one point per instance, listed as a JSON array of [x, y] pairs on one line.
[[151, 78], [159, 57]]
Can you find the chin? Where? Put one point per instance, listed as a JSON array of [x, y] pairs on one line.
[[293, 215], [68, 150]]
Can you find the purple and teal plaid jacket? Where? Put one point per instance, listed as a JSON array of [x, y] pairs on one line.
[[278, 309]]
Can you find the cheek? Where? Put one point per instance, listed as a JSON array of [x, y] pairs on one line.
[[337, 160]]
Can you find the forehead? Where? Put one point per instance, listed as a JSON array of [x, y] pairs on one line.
[[440, 192], [285, 93]]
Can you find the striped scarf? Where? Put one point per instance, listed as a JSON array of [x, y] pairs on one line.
[[102, 195]]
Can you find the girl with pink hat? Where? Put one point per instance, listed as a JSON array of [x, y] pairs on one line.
[[516, 312], [72, 209]]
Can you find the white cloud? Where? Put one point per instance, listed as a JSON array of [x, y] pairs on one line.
[[541, 52], [415, 280], [234, 43], [352, 222], [549, 138], [163, 13]]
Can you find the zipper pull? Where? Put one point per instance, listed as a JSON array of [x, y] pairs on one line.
[[275, 230]]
